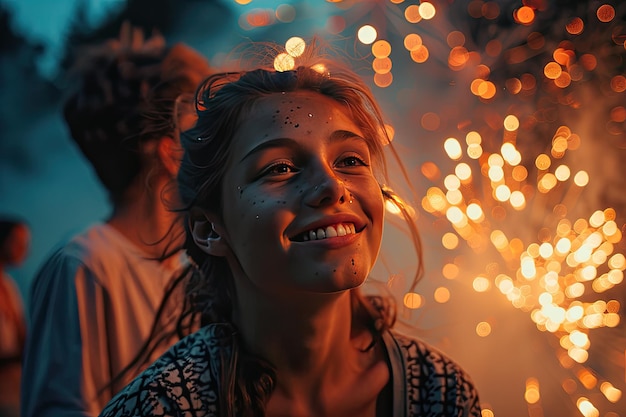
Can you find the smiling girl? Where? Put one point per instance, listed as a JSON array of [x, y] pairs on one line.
[[283, 183]]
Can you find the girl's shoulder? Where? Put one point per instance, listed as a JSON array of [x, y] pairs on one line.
[[432, 380], [418, 352], [184, 381]]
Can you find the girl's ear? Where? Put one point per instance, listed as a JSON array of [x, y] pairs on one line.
[[206, 237]]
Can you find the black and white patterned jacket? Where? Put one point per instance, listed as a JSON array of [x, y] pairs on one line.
[[184, 381]]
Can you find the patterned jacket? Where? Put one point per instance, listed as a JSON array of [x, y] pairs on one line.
[[185, 380]]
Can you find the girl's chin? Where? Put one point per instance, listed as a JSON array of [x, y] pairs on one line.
[[339, 282]]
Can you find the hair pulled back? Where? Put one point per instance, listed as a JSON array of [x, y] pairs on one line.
[[222, 102], [125, 93]]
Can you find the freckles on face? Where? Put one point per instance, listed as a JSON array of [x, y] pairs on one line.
[[286, 148], [292, 115]]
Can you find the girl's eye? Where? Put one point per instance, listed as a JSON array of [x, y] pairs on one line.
[[279, 168], [352, 161]]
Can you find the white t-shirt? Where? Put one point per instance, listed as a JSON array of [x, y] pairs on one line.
[[92, 308]]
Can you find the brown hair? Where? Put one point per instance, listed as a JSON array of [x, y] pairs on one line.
[[124, 95], [222, 101]]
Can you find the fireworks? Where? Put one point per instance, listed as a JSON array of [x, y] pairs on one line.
[[557, 269], [528, 127]]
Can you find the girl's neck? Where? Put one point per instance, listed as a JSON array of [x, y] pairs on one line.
[[311, 341], [320, 356]]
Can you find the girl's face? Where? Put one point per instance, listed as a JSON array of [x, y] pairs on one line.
[[302, 210]]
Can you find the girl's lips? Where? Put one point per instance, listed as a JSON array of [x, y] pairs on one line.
[[326, 232], [329, 243], [337, 226]]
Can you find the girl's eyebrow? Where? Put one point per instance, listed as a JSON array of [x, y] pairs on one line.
[[342, 135], [271, 143], [336, 136]]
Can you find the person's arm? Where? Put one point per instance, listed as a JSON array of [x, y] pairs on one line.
[[143, 398], [183, 381], [434, 382], [467, 398], [66, 362]]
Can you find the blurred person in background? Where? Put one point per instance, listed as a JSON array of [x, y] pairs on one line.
[[95, 300], [14, 246]]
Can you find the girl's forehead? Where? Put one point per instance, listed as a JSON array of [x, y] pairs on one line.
[[296, 113], [301, 117], [293, 101]]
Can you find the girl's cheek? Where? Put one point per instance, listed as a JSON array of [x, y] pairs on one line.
[[249, 202], [256, 205]]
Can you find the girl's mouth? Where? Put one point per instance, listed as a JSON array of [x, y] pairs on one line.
[[335, 230]]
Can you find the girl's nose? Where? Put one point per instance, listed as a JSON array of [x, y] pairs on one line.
[[324, 190]]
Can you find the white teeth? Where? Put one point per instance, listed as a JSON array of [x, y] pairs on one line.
[[330, 231]]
